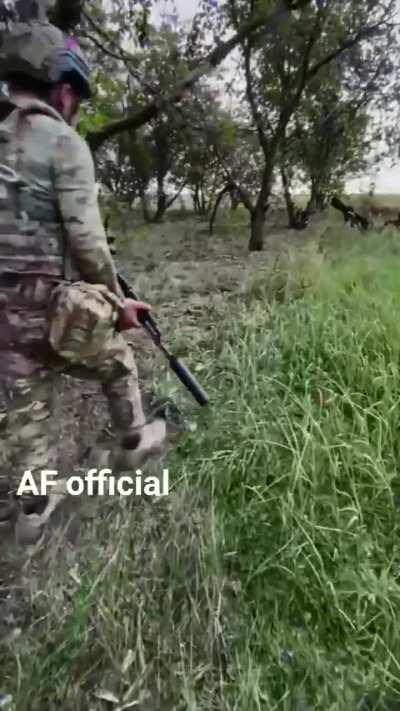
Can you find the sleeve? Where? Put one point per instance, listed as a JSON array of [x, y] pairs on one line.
[[75, 186]]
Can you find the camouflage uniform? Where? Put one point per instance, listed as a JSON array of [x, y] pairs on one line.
[[51, 236]]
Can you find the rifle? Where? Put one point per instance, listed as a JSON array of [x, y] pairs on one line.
[[176, 365], [350, 215]]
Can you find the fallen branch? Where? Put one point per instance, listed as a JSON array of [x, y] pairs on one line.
[[350, 215]]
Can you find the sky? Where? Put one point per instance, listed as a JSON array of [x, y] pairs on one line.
[[387, 180]]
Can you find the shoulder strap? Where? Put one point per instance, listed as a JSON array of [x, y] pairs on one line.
[[28, 105], [23, 107]]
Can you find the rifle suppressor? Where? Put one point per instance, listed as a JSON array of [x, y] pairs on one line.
[[178, 367]]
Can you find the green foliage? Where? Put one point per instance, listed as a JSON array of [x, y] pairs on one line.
[[309, 84], [105, 104], [330, 141], [303, 460]]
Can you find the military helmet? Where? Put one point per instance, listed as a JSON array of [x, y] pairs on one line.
[[43, 52]]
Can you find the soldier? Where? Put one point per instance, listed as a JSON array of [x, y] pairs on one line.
[[61, 307]]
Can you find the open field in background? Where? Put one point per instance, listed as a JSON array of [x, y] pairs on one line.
[[390, 200], [269, 580]]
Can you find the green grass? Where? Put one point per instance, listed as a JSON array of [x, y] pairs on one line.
[[270, 579]]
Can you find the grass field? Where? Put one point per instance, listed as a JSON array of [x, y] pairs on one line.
[[269, 579]]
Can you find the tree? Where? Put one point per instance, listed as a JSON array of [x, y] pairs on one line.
[[337, 127], [334, 146], [125, 9], [133, 121], [278, 69]]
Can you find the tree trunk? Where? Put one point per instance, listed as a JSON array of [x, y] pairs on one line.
[[258, 214], [203, 206], [218, 201], [161, 208], [145, 207], [161, 200], [196, 200], [235, 199], [318, 199], [290, 206], [257, 230]]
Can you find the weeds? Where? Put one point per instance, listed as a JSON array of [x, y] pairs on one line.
[[270, 578]]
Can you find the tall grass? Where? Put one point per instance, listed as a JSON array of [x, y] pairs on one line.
[[270, 578]]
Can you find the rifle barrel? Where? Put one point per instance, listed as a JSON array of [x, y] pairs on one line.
[[176, 365]]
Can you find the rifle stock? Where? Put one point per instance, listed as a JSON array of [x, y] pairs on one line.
[[176, 365]]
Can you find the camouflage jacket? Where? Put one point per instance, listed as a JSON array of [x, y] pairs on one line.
[[50, 222], [57, 193]]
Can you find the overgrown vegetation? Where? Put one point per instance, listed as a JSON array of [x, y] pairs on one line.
[[269, 578]]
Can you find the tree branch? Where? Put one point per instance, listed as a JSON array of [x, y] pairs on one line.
[[257, 117], [171, 201], [143, 116], [135, 75], [361, 34]]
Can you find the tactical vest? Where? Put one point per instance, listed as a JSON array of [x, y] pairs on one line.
[[31, 250], [32, 259]]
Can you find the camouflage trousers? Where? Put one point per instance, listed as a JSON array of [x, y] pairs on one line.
[[88, 348], [27, 427]]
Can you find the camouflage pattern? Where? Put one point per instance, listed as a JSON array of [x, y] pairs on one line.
[[83, 335], [59, 292], [28, 49], [55, 167], [83, 318], [26, 429], [39, 50]]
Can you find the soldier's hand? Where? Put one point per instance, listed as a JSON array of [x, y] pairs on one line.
[[132, 312]]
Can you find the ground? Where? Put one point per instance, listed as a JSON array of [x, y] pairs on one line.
[[229, 595], [185, 274]]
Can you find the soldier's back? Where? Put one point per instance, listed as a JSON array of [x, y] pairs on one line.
[[32, 137]]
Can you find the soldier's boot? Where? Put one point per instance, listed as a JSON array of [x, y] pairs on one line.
[[27, 516], [33, 513], [137, 439], [134, 449]]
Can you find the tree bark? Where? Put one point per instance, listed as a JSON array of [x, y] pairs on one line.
[[257, 230], [318, 200], [258, 214], [161, 200], [218, 201], [163, 204], [235, 199], [290, 206], [196, 200], [145, 206], [203, 206]]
